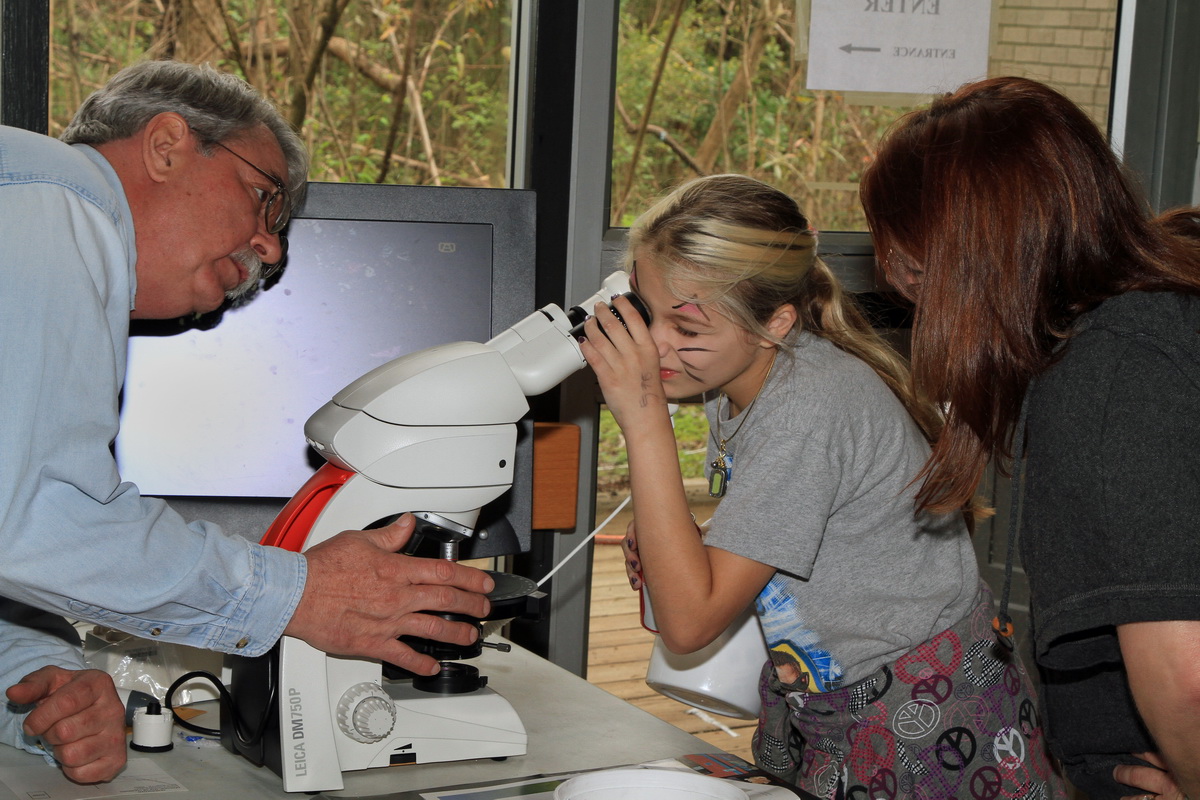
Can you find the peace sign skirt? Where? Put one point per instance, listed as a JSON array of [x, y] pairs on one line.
[[955, 717]]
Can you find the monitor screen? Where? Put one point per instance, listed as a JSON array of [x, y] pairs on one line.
[[216, 407]]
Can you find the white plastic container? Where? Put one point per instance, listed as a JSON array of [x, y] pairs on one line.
[[647, 784], [721, 678]]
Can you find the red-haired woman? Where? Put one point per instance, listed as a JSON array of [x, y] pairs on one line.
[[1056, 316]]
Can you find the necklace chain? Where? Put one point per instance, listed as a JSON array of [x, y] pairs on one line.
[[722, 466]]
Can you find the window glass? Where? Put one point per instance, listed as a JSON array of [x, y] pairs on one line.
[[400, 92], [722, 86]]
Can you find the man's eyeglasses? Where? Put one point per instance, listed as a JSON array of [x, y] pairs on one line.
[[277, 206]]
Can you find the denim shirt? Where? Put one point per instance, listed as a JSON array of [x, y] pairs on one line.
[[74, 538]]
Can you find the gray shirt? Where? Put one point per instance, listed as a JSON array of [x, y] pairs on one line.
[[821, 490]]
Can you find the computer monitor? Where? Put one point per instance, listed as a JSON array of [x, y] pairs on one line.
[[215, 407]]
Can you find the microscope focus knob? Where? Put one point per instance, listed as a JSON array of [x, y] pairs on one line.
[[366, 713]]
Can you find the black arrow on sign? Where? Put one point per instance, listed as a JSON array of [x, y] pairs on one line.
[[850, 48]]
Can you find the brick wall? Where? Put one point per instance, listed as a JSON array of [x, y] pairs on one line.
[[1066, 43]]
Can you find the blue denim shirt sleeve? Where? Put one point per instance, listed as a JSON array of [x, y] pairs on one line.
[[75, 538], [29, 640]]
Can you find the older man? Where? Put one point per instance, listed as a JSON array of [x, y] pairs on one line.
[[165, 197]]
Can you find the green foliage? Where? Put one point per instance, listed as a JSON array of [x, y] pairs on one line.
[[811, 144], [453, 128], [691, 437], [450, 130], [691, 433]]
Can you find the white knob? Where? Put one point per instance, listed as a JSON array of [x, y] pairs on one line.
[[365, 713]]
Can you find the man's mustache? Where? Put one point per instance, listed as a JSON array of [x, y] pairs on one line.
[[249, 259]]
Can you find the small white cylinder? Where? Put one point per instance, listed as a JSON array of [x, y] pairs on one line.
[[152, 732]]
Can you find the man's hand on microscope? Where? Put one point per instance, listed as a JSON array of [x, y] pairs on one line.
[[361, 594]]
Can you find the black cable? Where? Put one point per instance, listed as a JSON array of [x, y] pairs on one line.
[[222, 692], [227, 708]]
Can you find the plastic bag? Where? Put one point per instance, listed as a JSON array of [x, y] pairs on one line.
[[151, 666]]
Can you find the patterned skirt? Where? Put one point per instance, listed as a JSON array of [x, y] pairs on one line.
[[955, 717]]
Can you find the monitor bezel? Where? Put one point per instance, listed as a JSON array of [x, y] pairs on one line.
[[510, 212]]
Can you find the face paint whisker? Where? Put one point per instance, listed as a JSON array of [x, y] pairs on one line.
[[691, 370]]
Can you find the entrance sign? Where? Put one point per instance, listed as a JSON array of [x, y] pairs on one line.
[[910, 46]]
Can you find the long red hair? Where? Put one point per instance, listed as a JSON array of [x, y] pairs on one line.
[[1008, 200]]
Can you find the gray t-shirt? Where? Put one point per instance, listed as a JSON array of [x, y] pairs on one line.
[[821, 490]]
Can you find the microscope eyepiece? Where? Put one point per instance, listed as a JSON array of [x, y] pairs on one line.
[[578, 332]]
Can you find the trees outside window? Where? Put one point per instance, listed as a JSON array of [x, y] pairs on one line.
[[381, 91]]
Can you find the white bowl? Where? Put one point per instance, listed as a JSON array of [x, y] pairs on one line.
[[647, 784]]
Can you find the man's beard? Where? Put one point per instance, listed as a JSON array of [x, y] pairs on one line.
[[249, 259]]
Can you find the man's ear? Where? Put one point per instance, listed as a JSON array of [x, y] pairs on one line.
[[164, 140], [781, 322]]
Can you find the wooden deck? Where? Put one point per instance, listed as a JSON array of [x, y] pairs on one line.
[[619, 647]]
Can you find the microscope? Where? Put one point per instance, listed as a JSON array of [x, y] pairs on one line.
[[433, 433]]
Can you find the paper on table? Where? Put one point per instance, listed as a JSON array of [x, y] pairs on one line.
[[141, 776]]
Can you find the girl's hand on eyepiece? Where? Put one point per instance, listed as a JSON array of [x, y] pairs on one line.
[[626, 363]]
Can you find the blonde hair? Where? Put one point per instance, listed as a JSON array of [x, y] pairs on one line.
[[747, 250]]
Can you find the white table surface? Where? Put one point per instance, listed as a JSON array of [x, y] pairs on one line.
[[572, 725]]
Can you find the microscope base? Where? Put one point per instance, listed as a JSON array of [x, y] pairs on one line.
[[436, 727]]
